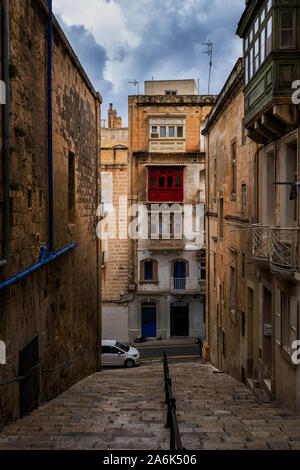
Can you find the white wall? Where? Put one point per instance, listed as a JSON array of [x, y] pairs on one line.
[[115, 322]]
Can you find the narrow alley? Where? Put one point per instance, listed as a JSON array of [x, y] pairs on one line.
[[124, 409]]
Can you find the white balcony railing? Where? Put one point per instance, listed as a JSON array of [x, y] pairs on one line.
[[187, 285], [261, 243], [284, 248], [276, 246]]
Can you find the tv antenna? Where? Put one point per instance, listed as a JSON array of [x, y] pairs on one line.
[[136, 83], [209, 52]]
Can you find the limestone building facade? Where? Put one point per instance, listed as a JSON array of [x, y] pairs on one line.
[[115, 257], [167, 167], [253, 208], [50, 309]]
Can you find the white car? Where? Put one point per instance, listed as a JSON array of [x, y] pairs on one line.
[[115, 353]]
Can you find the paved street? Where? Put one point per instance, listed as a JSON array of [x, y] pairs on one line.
[[124, 409], [176, 351]]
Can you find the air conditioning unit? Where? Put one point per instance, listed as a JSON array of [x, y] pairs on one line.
[[154, 136]]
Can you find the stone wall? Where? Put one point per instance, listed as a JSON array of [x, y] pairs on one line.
[[60, 303]]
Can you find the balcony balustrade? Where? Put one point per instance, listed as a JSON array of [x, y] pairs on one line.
[[284, 248], [189, 285], [261, 243], [276, 246]]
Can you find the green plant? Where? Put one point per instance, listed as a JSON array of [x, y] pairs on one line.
[[13, 71], [20, 131], [14, 186]]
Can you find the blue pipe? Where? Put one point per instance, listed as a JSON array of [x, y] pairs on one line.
[[43, 262], [44, 251], [50, 129]]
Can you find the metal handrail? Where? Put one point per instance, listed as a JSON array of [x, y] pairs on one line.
[[172, 423]]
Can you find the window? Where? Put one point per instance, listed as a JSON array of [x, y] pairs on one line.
[[256, 55], [161, 181], [153, 182], [171, 92], [269, 5], [171, 131], [233, 168], [262, 45], [246, 69], [256, 25], [269, 35], [179, 131], [148, 273], [244, 199], [71, 188], [287, 29], [243, 324], [166, 128], [148, 270], [163, 132], [109, 350], [203, 270], [251, 63]]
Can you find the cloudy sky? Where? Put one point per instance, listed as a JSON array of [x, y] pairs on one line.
[[118, 41]]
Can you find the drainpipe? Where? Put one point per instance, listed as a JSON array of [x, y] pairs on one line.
[[5, 118], [50, 129], [43, 261]]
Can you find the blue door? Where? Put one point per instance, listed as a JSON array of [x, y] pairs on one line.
[[149, 321], [179, 275]]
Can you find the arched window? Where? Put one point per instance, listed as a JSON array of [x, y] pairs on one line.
[[149, 270]]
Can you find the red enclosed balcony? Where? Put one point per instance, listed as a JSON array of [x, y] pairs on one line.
[[165, 184]]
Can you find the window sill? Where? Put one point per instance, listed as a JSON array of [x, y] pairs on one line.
[[148, 282]]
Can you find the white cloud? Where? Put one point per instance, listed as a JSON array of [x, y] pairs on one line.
[[105, 20]]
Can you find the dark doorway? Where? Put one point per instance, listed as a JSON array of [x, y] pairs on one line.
[[179, 320], [30, 385], [149, 320]]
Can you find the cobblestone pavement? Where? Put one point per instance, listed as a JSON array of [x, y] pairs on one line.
[[124, 409]]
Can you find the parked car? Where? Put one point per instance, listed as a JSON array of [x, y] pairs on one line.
[[115, 353]]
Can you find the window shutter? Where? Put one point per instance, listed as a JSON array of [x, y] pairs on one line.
[[278, 317], [293, 319], [142, 274], [155, 271]]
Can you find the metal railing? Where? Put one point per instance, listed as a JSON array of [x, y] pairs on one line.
[[283, 248], [261, 243], [172, 423], [189, 284]]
